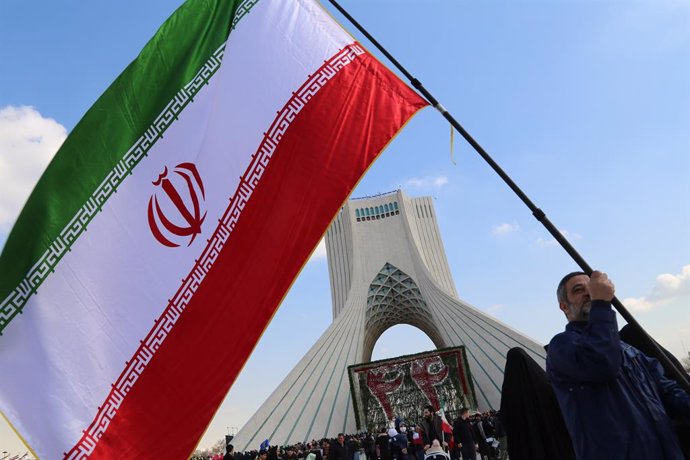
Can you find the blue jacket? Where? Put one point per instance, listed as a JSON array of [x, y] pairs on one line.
[[615, 400]]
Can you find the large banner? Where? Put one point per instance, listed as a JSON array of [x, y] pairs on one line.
[[401, 387]]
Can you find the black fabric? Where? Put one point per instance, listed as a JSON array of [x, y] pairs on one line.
[[634, 337], [462, 433], [530, 413], [339, 452], [431, 429], [384, 446]]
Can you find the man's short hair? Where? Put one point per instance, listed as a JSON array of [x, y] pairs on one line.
[[464, 410], [561, 293], [430, 408]]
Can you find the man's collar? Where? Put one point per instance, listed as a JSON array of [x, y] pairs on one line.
[[576, 325]]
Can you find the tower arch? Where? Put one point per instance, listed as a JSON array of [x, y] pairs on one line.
[[401, 340], [394, 298]]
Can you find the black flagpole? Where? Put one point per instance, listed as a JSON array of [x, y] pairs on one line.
[[671, 370]]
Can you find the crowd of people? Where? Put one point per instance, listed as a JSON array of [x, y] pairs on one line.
[[399, 440]]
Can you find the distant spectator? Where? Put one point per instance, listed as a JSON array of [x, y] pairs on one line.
[[383, 449], [432, 427], [398, 444], [229, 452], [464, 435], [339, 450]]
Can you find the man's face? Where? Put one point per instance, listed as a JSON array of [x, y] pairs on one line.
[[578, 300], [341, 439], [427, 414]]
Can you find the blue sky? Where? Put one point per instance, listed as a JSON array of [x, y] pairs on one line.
[[586, 104]]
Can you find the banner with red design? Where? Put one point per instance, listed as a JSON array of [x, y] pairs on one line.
[[401, 387]]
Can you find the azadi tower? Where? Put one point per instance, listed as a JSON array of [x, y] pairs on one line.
[[387, 266]]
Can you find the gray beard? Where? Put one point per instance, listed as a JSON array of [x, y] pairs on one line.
[[583, 313]]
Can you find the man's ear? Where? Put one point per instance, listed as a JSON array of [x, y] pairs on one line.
[[564, 308]]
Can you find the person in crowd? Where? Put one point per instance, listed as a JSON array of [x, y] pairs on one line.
[[290, 453], [416, 443], [615, 400], [398, 444], [487, 421], [229, 452], [479, 434], [404, 432], [501, 436], [339, 450], [431, 426], [355, 447], [436, 452], [313, 448], [325, 447], [369, 446], [383, 450], [530, 414], [464, 435]]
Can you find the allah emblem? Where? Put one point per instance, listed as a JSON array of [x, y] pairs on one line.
[[175, 215]]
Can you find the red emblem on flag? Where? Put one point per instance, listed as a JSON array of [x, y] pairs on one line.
[[183, 191]]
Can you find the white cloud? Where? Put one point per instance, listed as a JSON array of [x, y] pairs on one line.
[[551, 242], [440, 181], [427, 182], [667, 288], [28, 142], [494, 309], [320, 251], [504, 229], [637, 304]]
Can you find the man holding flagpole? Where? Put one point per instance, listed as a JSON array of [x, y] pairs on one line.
[[616, 402]]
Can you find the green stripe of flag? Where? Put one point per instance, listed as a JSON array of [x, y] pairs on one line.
[[110, 140]]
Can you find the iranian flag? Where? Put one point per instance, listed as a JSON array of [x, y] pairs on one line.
[[162, 237], [446, 428]]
